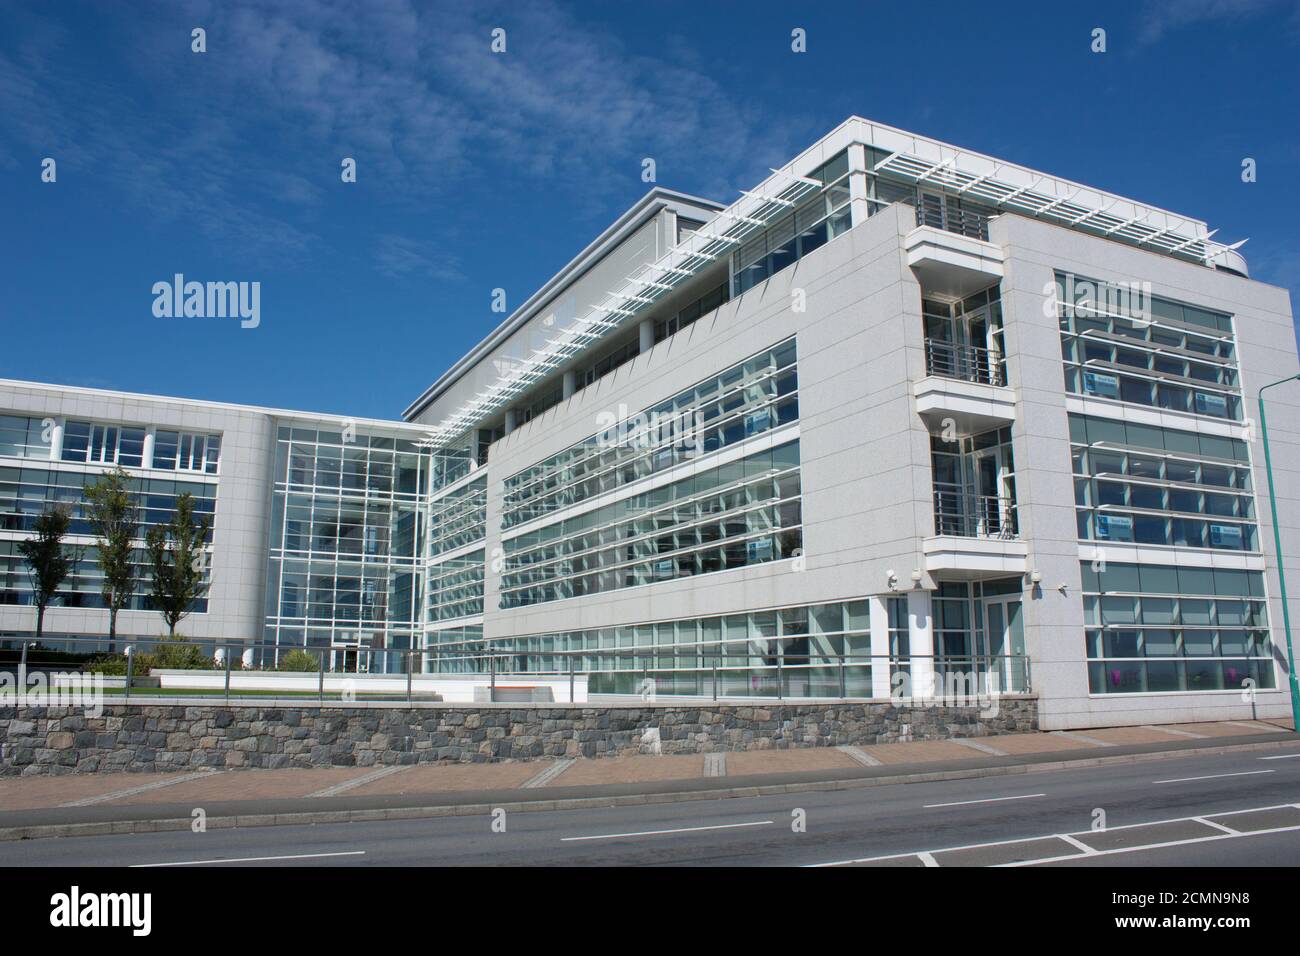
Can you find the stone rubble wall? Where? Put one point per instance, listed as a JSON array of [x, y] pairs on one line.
[[154, 737]]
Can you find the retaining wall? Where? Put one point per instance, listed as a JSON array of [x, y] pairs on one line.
[[152, 736]]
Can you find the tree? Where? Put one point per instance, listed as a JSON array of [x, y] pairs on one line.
[[48, 562], [176, 552], [112, 515]]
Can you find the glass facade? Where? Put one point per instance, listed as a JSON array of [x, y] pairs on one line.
[[813, 224], [1155, 628], [345, 567], [1148, 485], [1123, 344], [751, 397], [818, 650], [740, 513], [33, 477]]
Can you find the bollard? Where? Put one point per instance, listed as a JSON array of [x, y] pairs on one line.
[[130, 664], [21, 690]]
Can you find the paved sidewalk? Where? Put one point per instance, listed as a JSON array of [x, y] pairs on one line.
[[315, 787]]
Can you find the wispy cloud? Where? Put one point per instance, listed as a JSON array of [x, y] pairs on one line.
[[1160, 17], [399, 257], [244, 140]]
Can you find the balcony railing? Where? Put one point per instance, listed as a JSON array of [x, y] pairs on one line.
[[950, 217], [974, 516], [967, 363]]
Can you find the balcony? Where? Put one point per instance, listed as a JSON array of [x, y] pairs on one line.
[[974, 516], [976, 536], [966, 363], [966, 385], [951, 263]]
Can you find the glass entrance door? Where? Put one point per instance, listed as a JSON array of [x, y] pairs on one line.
[[1005, 637]]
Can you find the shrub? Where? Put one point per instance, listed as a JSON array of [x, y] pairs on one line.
[[114, 665], [298, 660], [176, 653]]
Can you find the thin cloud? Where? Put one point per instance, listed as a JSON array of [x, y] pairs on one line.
[[1162, 17]]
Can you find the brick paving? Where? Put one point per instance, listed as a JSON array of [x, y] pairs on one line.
[[137, 789]]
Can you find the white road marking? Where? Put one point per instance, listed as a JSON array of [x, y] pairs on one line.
[[860, 755], [1082, 847], [963, 803], [143, 788], [927, 859], [1069, 838], [251, 859], [615, 836], [556, 768], [1152, 846], [1281, 757], [360, 781], [1217, 826], [1215, 776]]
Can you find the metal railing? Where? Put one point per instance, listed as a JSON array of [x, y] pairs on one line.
[[713, 672], [950, 217], [968, 363], [974, 516]]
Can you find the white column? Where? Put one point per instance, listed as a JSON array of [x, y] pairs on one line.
[[570, 383], [146, 458], [921, 638], [56, 440], [880, 686], [647, 334], [858, 183], [510, 420]]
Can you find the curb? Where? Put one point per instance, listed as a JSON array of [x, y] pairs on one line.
[[311, 817]]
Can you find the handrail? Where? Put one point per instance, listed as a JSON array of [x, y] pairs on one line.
[[968, 363], [965, 515]]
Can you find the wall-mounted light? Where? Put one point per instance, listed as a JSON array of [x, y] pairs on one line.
[[892, 578], [1035, 577], [916, 578]]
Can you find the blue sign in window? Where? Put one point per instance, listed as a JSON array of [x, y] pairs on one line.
[[1208, 404], [1099, 383], [1115, 527]]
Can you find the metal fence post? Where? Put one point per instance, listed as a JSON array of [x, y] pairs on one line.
[[227, 657], [715, 679], [320, 678], [843, 685], [130, 663], [492, 666], [21, 690], [410, 669], [571, 700]]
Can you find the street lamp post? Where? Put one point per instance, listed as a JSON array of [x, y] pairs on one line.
[[1277, 543]]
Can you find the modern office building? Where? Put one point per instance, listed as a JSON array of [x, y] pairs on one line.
[[901, 409]]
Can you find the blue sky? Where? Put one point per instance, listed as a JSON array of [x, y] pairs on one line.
[[478, 171]]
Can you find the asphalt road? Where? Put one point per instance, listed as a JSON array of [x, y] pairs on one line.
[[913, 824]]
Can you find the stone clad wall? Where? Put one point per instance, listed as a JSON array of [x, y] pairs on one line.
[[152, 736]]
